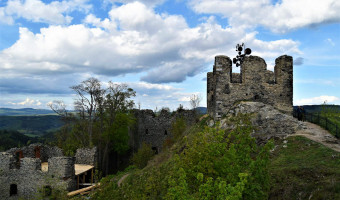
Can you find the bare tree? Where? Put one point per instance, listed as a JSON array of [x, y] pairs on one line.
[[195, 101], [89, 93]]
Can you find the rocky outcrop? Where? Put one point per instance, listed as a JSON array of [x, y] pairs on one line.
[[268, 121]]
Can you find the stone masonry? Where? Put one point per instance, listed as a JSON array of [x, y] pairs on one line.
[[21, 174], [153, 129], [253, 83]]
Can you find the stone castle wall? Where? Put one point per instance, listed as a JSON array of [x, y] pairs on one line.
[[253, 83], [31, 151], [27, 178], [87, 156], [21, 168], [153, 129]]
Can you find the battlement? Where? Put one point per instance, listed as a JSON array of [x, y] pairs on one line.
[[253, 83]]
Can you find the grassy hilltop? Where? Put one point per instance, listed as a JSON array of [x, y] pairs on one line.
[[209, 163]]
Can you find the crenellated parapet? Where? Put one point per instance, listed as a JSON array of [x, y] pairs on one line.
[[253, 83]]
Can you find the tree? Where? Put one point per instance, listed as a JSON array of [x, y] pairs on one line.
[[195, 101], [102, 119], [115, 121], [89, 94]]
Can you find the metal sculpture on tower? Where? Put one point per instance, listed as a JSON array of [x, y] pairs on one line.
[[240, 57]]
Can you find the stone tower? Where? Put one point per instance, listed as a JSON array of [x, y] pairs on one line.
[[253, 83]]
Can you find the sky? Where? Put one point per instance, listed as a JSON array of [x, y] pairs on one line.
[[162, 49]]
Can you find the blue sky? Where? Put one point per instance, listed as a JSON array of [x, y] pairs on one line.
[[161, 48]]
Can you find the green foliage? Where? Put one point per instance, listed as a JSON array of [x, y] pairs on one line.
[[10, 139], [49, 193], [102, 118], [33, 125], [304, 169], [178, 128], [143, 155], [211, 164], [118, 132]]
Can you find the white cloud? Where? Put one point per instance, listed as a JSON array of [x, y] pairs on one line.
[[27, 102], [318, 100], [133, 39], [4, 18], [148, 3], [55, 12], [281, 17], [330, 41]]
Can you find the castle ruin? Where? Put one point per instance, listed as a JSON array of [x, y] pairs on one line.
[[153, 129], [253, 83], [26, 171]]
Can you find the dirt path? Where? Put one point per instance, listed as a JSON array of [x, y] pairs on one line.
[[122, 179], [320, 135]]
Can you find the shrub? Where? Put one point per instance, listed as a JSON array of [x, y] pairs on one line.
[[178, 128], [143, 155], [211, 164]]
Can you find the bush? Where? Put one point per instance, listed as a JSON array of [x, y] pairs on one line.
[[219, 165], [178, 128], [211, 164], [143, 155]]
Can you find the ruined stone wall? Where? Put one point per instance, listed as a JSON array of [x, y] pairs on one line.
[[254, 83], [153, 129], [27, 178], [38, 150], [21, 167], [87, 156]]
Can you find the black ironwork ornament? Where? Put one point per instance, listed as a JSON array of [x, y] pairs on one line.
[[240, 57]]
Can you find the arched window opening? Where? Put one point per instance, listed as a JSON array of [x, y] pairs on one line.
[[165, 132], [13, 190], [146, 131]]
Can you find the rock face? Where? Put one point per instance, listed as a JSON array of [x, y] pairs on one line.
[[269, 122], [254, 83]]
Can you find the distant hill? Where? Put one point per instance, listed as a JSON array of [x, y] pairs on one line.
[[24, 111], [31, 125], [319, 108], [202, 110], [10, 139]]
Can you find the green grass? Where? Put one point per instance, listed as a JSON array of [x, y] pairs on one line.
[[304, 169]]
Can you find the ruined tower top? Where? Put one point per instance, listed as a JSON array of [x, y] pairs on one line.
[[253, 83]]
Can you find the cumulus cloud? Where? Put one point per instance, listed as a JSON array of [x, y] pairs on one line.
[[133, 39], [4, 18], [298, 61], [318, 100], [55, 12], [152, 96], [145, 2], [280, 17], [27, 102]]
